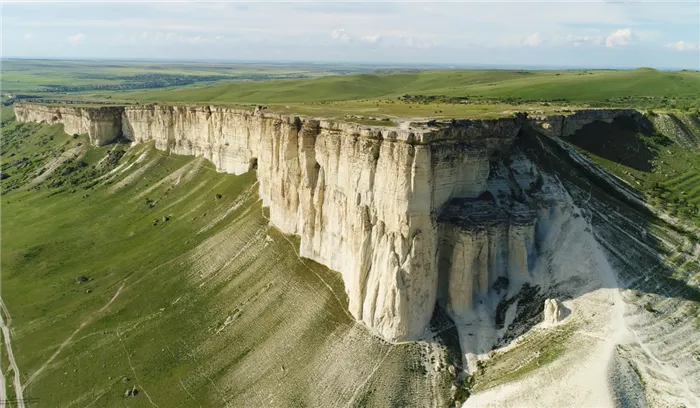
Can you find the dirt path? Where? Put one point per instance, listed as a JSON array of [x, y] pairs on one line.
[[133, 371], [3, 395], [366, 380], [16, 383], [68, 341]]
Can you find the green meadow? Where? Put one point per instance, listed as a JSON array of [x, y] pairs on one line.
[[638, 88]]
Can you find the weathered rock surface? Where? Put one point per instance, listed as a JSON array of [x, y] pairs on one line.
[[566, 125], [366, 201], [101, 124]]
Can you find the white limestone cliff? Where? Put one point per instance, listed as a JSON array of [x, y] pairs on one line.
[[365, 201], [362, 200], [101, 124]]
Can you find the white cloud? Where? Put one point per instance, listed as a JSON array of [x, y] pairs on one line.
[[537, 39], [28, 36], [683, 46], [76, 39], [386, 40], [340, 34], [173, 38], [621, 37], [525, 31], [371, 38], [533, 40], [579, 40]]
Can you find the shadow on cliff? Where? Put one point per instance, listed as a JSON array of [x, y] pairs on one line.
[[618, 141], [627, 230]]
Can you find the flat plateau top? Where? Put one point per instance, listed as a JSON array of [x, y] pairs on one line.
[[370, 113]]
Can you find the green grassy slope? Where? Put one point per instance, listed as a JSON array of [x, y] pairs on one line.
[[196, 300]]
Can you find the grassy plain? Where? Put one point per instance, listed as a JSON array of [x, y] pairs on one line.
[[638, 88], [38, 76], [338, 91]]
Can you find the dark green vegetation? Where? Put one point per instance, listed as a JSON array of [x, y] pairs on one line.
[[537, 350], [129, 267], [131, 263], [36, 156]]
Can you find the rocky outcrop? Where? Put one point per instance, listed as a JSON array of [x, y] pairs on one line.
[[554, 311], [102, 124], [394, 209], [683, 128], [566, 125]]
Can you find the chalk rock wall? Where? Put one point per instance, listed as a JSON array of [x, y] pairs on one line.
[[102, 124], [484, 241], [364, 200]]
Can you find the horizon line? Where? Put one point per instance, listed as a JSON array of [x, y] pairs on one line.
[[357, 63]]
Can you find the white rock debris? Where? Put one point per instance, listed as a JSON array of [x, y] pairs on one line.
[[554, 311]]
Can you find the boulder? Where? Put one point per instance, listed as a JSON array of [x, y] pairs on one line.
[[554, 311]]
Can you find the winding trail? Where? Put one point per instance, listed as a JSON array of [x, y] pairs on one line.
[[16, 383], [67, 341], [133, 371], [371, 374], [3, 395]]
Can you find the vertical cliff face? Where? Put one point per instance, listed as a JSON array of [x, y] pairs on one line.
[[489, 243], [409, 216], [102, 125], [364, 201]]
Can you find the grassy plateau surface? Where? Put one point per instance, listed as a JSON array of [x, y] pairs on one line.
[[638, 88]]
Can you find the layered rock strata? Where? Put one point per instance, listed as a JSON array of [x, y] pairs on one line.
[[364, 200], [566, 125]]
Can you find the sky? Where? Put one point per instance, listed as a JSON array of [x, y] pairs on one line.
[[594, 34]]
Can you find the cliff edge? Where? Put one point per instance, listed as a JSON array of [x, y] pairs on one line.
[[376, 204]]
